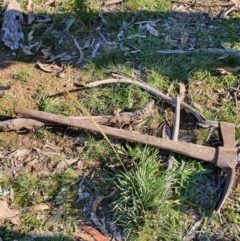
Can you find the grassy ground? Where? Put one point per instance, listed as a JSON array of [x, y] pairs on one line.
[[121, 189]]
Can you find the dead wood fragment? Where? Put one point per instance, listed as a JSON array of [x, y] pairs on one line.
[[203, 4], [111, 2], [192, 232], [35, 208], [5, 87], [31, 15], [96, 234], [11, 31], [84, 236], [81, 54], [8, 213], [42, 234], [124, 118], [209, 50], [228, 70]]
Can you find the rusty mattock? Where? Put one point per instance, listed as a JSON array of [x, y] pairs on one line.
[[224, 157]]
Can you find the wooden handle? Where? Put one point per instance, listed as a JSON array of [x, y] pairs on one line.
[[194, 151]]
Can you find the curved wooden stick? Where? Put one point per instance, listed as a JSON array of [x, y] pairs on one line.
[[202, 120]]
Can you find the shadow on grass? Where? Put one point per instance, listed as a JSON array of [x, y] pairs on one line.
[[136, 46]]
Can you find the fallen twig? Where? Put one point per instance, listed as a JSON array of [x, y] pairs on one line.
[[5, 87], [209, 50], [202, 120], [175, 130], [111, 2], [203, 4], [121, 119], [81, 55], [192, 232]]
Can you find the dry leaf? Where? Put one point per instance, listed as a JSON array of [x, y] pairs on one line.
[[35, 208], [48, 68], [94, 53], [46, 52], [59, 56], [66, 163], [117, 111], [223, 57], [96, 202], [9, 214], [69, 23], [31, 15], [96, 234], [167, 132], [41, 234], [81, 55], [135, 51], [227, 70], [152, 30], [68, 57], [19, 153], [84, 236], [87, 44], [30, 35], [54, 219], [136, 36], [40, 18], [26, 51], [192, 232], [153, 23], [107, 41]]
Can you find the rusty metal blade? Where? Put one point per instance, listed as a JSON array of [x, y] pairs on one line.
[[227, 188]]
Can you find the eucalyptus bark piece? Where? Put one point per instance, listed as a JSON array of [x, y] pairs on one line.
[[11, 32], [120, 119]]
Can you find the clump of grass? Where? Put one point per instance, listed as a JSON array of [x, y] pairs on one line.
[[149, 5], [26, 190], [143, 202], [22, 75], [195, 185], [47, 104], [49, 40], [84, 12]]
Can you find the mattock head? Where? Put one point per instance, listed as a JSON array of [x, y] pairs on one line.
[[226, 159]]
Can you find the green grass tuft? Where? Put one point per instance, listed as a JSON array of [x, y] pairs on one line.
[[143, 201]]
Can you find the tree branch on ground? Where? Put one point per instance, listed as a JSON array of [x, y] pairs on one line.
[[118, 119], [202, 120]]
